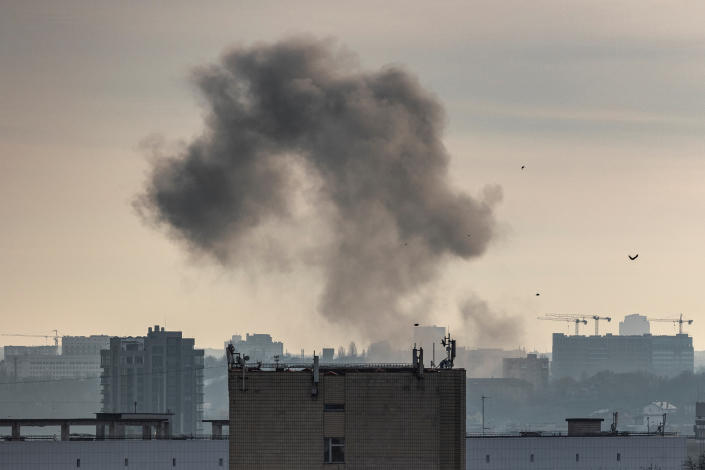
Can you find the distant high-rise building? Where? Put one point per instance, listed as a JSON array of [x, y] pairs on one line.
[[159, 373], [327, 354], [259, 347], [634, 325], [531, 368], [584, 356]]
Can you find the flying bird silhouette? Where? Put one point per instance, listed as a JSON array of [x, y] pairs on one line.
[[416, 324], [633, 257], [523, 166], [537, 294]]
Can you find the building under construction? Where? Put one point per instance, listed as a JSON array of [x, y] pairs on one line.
[[584, 356], [391, 416]]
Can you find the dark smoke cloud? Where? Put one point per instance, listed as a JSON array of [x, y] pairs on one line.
[[372, 140], [486, 327]]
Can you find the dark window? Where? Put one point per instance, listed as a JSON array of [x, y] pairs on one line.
[[333, 407], [173, 462], [531, 458], [487, 458], [577, 457], [220, 462], [126, 461], [78, 462], [619, 457], [334, 450]]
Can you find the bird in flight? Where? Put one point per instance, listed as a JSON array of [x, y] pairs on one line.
[[633, 257], [523, 166], [537, 294], [416, 324]]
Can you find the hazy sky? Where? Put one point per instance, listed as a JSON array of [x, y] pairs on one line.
[[604, 102]]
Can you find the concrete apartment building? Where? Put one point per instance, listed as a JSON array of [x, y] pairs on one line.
[[392, 417], [79, 358], [584, 356], [531, 368], [157, 373]]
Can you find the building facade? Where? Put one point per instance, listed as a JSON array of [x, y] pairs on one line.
[[583, 356], [79, 358], [115, 454], [552, 452], [386, 417], [531, 368], [157, 373], [84, 345]]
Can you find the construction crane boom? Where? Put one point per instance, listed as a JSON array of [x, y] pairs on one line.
[[680, 320], [577, 319], [55, 336]]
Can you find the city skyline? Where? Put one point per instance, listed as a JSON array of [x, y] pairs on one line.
[[600, 104]]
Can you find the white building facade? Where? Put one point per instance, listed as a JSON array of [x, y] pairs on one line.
[[202, 454], [605, 452]]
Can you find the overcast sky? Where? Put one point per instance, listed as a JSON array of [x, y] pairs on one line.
[[603, 102]]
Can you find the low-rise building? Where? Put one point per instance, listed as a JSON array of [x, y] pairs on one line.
[[585, 446]]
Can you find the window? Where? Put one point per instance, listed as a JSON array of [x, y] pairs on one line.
[[334, 450], [619, 457], [78, 463], [487, 458], [531, 458], [126, 463], [577, 457], [220, 462], [173, 462], [333, 407]]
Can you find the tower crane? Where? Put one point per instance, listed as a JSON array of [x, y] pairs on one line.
[[577, 319], [680, 320], [597, 319], [55, 336]]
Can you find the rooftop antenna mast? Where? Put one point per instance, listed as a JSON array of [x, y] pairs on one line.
[[483, 398], [449, 344]]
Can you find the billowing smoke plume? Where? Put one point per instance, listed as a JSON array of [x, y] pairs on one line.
[[372, 141], [485, 327]]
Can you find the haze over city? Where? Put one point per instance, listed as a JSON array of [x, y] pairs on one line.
[[599, 102]]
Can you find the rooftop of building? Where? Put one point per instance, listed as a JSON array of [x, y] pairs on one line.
[[338, 368]]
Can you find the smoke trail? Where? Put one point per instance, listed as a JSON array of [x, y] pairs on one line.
[[372, 140]]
